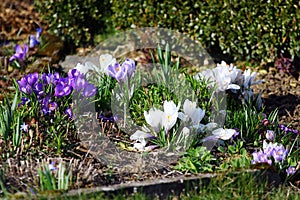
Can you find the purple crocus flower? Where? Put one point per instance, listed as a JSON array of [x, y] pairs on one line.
[[62, 89], [47, 78], [291, 170], [80, 82], [32, 78], [47, 106], [24, 86], [103, 118], [270, 135], [74, 73], [52, 106], [38, 89], [35, 39], [117, 72], [68, 112], [20, 53], [27, 82], [129, 67], [279, 153], [260, 157], [89, 91]]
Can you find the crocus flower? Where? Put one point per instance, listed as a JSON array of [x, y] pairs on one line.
[[117, 72], [260, 157], [20, 53], [89, 90], [154, 118], [74, 73], [141, 138], [265, 122], [129, 67], [27, 82], [291, 170], [220, 133], [62, 90], [170, 115], [270, 135], [84, 68], [47, 78], [52, 106], [68, 112], [24, 100], [224, 134], [191, 112], [35, 39], [38, 89], [248, 78], [106, 60], [279, 153], [103, 118], [224, 76], [79, 83], [24, 86]]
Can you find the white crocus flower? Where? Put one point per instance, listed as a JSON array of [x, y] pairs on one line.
[[84, 68], [154, 118], [106, 60], [140, 138], [220, 133], [170, 115], [224, 134], [249, 78], [223, 75], [191, 112]]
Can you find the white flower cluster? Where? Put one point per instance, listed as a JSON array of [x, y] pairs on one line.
[[166, 119], [229, 77]]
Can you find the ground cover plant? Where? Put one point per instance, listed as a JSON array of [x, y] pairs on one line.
[[142, 113]]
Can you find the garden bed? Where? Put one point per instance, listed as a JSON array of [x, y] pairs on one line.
[[42, 150]]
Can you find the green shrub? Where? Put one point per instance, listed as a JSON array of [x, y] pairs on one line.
[[246, 30], [76, 22]]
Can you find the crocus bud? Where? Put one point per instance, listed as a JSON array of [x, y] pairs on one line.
[[270, 135]]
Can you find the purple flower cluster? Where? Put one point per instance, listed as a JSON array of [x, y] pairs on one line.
[[21, 52], [271, 152], [122, 72], [288, 130], [35, 39], [37, 85]]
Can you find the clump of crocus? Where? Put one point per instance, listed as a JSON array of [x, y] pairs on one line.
[[157, 120], [270, 152], [122, 72], [36, 87], [229, 78]]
